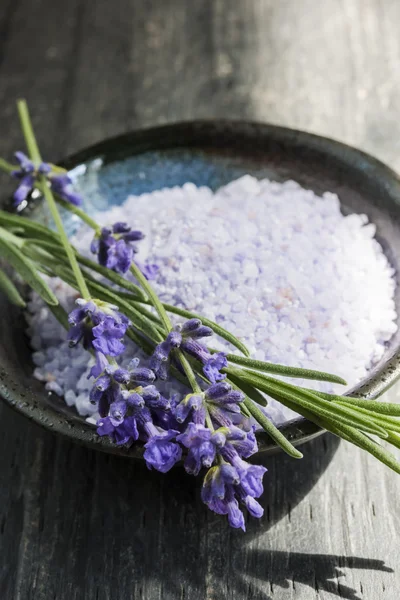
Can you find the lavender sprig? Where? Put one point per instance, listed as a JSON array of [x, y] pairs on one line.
[[213, 427]]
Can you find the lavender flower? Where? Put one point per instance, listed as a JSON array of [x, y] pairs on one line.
[[202, 446], [193, 405], [129, 418], [114, 247], [223, 404], [160, 358], [113, 388], [224, 486], [185, 337], [99, 325], [161, 453], [62, 186], [28, 173], [121, 430]]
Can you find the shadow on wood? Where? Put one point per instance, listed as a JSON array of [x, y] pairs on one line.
[[112, 529]]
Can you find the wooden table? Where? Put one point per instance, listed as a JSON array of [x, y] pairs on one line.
[[79, 525]]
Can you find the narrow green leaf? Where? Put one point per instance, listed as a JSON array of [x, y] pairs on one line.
[[267, 367], [33, 228], [114, 277], [9, 289], [27, 271], [57, 249], [272, 431], [250, 391], [7, 167], [387, 422], [383, 408], [393, 439], [312, 402], [364, 442]]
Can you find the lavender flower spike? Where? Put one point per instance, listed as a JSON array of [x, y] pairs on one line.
[[99, 325], [28, 173], [62, 186], [115, 248], [185, 336]]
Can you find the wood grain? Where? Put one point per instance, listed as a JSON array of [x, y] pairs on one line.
[[79, 525]]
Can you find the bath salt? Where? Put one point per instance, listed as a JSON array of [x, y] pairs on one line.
[[280, 267]]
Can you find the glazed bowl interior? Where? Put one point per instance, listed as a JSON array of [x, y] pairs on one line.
[[211, 154]]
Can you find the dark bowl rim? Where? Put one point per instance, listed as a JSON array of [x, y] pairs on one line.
[[192, 132]]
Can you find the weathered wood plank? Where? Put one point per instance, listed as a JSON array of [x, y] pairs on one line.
[[75, 524]]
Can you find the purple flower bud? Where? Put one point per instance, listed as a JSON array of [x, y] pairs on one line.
[[142, 375], [132, 399], [100, 366], [114, 247], [25, 163], [254, 508], [213, 366], [251, 479], [117, 412], [174, 339], [120, 227], [218, 390], [44, 168], [99, 328], [161, 453], [191, 403], [201, 444], [198, 351], [62, 186], [120, 434], [201, 332], [102, 383], [190, 326], [24, 189], [131, 429], [120, 375]]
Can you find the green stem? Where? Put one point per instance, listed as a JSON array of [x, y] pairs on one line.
[[27, 130], [136, 272], [209, 421], [79, 213], [6, 166], [64, 239], [188, 372], [43, 186]]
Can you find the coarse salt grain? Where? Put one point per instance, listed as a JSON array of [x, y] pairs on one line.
[[299, 283]]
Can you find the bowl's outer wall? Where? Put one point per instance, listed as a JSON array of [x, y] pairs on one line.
[[209, 153]]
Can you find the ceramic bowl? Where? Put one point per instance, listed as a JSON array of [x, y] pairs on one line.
[[208, 153]]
